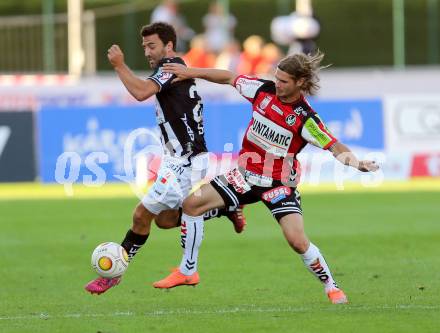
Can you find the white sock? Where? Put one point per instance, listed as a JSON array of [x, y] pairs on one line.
[[191, 239], [317, 265]]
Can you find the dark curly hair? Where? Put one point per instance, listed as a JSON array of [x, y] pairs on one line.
[[165, 31]]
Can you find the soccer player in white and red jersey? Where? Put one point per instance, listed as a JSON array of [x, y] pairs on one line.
[[282, 124]]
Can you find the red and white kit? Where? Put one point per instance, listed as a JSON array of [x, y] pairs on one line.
[[268, 169], [277, 131]]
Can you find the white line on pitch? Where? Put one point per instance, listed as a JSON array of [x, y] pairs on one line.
[[159, 313]]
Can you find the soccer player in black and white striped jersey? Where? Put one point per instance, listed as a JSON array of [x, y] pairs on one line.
[[179, 116]]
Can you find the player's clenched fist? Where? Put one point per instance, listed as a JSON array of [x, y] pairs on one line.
[[115, 55]]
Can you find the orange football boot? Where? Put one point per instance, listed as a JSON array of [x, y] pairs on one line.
[[337, 296], [176, 278]]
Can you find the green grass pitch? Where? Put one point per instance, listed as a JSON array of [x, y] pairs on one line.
[[383, 249]]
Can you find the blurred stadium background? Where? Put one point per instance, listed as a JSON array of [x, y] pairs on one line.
[[58, 92], [61, 102]]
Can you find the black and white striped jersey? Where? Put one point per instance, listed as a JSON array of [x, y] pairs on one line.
[[179, 113]]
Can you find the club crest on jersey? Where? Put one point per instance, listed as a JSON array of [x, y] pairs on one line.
[[291, 119], [276, 194]]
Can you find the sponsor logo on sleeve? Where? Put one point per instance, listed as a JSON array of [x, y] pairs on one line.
[[315, 134], [162, 76], [248, 87]]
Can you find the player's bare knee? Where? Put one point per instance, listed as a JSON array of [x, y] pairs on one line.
[[167, 221], [193, 211], [299, 245], [165, 225], [140, 219], [298, 242]]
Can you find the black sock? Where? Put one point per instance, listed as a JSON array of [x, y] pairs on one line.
[[133, 242], [179, 219]]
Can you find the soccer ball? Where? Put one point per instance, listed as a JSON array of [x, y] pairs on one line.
[[109, 260]]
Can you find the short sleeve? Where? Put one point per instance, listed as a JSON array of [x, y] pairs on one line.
[[248, 86], [315, 132], [162, 78]]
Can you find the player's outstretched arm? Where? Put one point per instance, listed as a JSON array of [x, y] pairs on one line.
[[138, 88], [344, 155], [210, 74]]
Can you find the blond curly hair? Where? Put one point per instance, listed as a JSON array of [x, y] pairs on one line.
[[304, 66]]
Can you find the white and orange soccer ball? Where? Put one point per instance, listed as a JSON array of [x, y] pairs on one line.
[[109, 260]]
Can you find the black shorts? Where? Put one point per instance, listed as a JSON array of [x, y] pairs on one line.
[[235, 189]]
